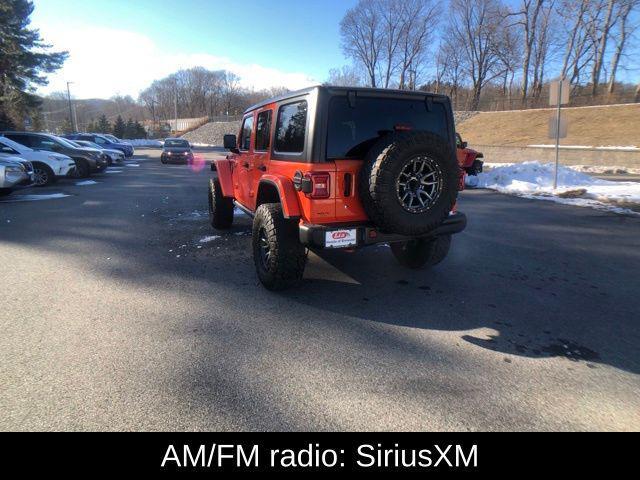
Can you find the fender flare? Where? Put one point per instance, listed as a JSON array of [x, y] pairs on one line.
[[224, 168], [286, 192]]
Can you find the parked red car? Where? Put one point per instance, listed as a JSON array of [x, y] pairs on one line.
[[468, 159]]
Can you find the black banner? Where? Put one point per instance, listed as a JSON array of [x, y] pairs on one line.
[[313, 453]]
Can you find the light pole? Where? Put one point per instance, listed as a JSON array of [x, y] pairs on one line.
[[73, 125]]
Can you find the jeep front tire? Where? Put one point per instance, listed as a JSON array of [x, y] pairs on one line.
[[278, 255], [220, 208], [421, 252]]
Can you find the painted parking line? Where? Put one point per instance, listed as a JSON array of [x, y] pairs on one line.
[[86, 182]]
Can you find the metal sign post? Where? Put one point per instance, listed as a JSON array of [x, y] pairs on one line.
[[558, 95]]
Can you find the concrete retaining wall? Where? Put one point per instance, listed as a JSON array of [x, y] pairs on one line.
[[568, 155]]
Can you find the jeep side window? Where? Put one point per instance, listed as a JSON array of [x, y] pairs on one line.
[[245, 134], [263, 129], [291, 126]]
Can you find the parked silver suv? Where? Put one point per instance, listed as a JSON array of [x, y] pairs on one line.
[[14, 172]]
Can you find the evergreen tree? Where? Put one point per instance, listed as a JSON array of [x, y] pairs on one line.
[[92, 126], [119, 127], [24, 62], [129, 129], [140, 131], [103, 125], [66, 127]]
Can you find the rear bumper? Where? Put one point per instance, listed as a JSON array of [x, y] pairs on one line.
[[314, 235]]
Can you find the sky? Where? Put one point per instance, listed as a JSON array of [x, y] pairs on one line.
[[121, 46]]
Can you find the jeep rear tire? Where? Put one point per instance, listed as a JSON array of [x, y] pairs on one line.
[[409, 182], [278, 255], [220, 208], [421, 252]]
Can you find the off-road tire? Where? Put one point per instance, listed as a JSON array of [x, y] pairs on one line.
[[82, 169], [284, 266], [220, 208], [46, 171], [421, 252], [379, 176], [475, 168]]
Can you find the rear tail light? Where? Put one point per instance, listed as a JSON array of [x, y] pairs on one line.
[[347, 184], [320, 184]]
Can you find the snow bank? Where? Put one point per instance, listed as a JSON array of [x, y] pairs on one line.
[[535, 180], [143, 142], [594, 169]]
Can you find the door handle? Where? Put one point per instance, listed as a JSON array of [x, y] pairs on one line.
[[245, 164], [262, 168]]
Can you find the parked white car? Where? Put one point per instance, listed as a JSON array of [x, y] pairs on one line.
[[14, 171], [47, 166]]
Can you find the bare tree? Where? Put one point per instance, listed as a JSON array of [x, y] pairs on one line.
[[475, 26], [392, 33], [623, 15], [570, 10], [527, 19], [418, 19], [361, 32], [347, 76], [601, 16], [542, 45], [452, 66], [509, 53]]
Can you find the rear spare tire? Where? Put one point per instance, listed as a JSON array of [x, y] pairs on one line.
[[409, 182]]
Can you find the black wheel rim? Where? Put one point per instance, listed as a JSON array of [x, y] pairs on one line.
[[419, 184], [265, 251], [40, 176]]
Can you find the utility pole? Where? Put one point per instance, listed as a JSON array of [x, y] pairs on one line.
[[73, 125], [175, 108]]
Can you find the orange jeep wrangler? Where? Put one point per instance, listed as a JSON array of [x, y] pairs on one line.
[[341, 167]]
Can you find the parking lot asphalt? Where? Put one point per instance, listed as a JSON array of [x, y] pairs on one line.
[[123, 310]]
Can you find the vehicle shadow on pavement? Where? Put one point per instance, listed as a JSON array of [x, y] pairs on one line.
[[549, 295]]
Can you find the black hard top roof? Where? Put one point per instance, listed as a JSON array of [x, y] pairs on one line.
[[335, 89]]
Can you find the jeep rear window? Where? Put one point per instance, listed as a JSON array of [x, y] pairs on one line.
[[353, 130], [291, 126]]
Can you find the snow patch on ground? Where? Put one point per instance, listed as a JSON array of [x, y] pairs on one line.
[[33, 198], [86, 182], [535, 180], [143, 142], [594, 169], [208, 238]]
